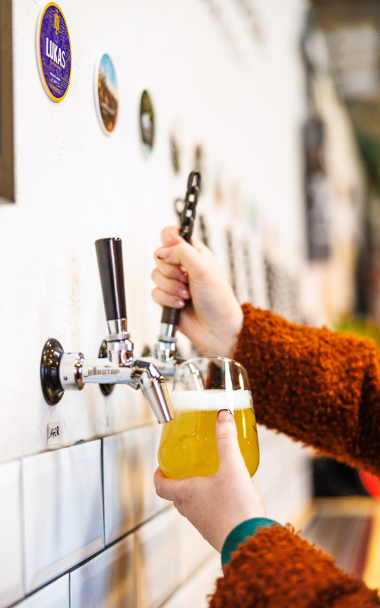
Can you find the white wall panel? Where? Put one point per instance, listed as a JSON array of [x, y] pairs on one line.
[[11, 586], [107, 580], [158, 555], [193, 548], [74, 184], [63, 513], [55, 595], [130, 460], [193, 593]]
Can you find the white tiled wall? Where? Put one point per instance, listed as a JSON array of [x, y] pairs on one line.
[[52, 522], [193, 548], [107, 580], [130, 460], [54, 595], [157, 578], [193, 593], [58, 524], [63, 512], [11, 584]]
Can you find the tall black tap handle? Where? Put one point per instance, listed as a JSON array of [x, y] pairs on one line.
[[110, 262], [171, 315]]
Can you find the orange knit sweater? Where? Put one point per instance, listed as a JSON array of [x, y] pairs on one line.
[[322, 388]]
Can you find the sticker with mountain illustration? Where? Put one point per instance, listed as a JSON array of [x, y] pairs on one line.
[[106, 94], [54, 51]]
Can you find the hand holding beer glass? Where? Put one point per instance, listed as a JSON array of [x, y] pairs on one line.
[[201, 388]]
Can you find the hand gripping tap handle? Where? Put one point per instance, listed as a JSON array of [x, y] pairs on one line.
[[171, 316], [110, 262]]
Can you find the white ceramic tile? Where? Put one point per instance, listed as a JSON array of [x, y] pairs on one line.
[[11, 587], [63, 513], [157, 553], [55, 595], [129, 462], [193, 593], [107, 580], [194, 549]]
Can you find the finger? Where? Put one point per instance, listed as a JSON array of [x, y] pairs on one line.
[[174, 288], [186, 256], [227, 441], [170, 489], [170, 236], [171, 272], [165, 299]]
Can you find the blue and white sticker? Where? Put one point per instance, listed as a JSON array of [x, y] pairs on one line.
[[54, 52], [106, 93]]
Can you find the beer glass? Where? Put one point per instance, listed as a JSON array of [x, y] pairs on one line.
[[201, 388]]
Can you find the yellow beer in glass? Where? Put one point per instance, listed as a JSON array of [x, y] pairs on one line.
[[201, 388]]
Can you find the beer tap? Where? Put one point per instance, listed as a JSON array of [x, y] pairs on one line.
[[166, 348], [62, 371]]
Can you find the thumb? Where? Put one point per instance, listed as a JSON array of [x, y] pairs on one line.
[[227, 440], [170, 236]]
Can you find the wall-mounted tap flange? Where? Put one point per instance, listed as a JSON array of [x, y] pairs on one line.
[[59, 371], [50, 360]]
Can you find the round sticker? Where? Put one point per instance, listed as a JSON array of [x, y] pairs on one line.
[[106, 94], [54, 52], [147, 122]]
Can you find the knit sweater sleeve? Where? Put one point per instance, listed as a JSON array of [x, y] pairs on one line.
[[318, 386], [277, 569]]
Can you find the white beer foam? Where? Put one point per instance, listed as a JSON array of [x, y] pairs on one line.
[[210, 400]]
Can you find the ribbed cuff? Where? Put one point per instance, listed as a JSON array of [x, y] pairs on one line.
[[239, 534]]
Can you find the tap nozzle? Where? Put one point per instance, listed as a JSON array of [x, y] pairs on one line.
[[154, 387]]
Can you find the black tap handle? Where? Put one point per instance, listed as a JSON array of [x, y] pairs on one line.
[[171, 315], [110, 262]]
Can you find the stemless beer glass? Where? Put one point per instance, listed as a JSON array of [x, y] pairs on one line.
[[201, 388]]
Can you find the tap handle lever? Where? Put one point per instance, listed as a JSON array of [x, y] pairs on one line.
[[189, 209], [110, 262], [170, 316]]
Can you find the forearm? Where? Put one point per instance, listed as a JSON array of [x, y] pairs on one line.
[[318, 386], [278, 569]]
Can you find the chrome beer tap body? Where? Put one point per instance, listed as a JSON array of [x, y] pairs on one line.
[[75, 371], [66, 371]]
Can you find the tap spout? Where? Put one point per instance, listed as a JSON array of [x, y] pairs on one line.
[[154, 387]]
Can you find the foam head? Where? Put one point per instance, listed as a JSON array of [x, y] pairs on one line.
[[210, 400]]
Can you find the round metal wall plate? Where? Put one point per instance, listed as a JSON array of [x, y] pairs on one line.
[[51, 386]]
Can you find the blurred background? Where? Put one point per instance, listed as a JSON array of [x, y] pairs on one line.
[[277, 103]]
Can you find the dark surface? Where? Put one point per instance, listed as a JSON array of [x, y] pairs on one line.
[[333, 479], [170, 315], [7, 181], [50, 359], [110, 261]]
